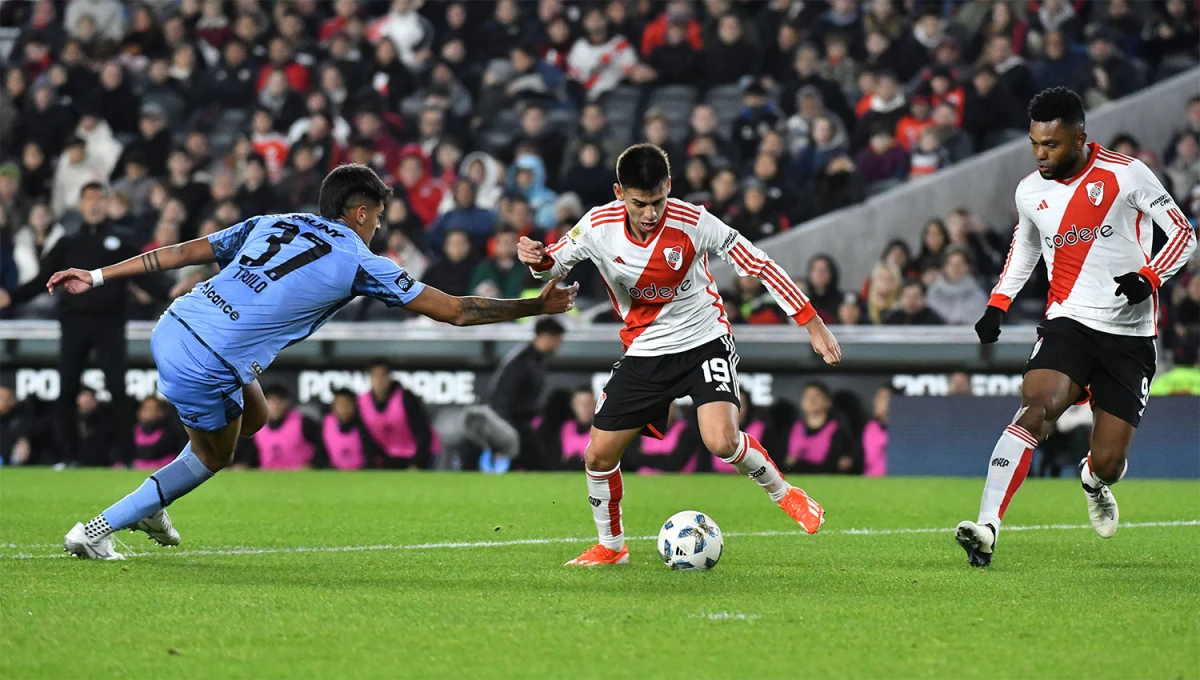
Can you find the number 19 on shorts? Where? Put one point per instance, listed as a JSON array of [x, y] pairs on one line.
[[717, 370]]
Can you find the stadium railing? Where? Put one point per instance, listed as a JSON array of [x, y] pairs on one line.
[[417, 345]]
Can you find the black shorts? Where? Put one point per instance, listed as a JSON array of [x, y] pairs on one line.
[[640, 389], [1114, 370]]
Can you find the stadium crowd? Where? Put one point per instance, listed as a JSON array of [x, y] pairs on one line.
[[158, 121]]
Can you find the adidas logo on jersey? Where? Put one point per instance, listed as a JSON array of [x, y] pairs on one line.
[[618, 260], [1043, 205], [1076, 235]]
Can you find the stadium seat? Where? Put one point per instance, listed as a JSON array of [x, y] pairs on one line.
[[676, 102], [726, 101]]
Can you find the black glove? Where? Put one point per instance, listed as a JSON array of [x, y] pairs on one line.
[[1134, 287], [988, 326]]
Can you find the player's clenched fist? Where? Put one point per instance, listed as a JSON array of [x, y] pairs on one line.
[[530, 252]]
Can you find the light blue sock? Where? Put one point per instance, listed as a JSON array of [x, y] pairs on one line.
[[174, 480]]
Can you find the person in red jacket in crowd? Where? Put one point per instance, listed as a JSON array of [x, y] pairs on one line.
[[281, 56], [655, 35], [424, 193], [910, 127]]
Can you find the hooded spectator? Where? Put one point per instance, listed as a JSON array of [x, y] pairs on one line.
[[955, 295]]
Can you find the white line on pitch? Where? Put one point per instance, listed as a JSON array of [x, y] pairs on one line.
[[548, 541]]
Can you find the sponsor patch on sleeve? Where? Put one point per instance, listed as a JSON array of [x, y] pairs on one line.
[[1161, 200], [728, 243], [404, 282], [575, 233]]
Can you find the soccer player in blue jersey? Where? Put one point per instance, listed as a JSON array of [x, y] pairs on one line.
[[282, 277]]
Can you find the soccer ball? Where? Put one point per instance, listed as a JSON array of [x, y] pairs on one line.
[[690, 540]]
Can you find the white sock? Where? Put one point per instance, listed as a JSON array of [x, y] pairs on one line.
[[1006, 471], [1089, 477], [752, 460], [605, 490]]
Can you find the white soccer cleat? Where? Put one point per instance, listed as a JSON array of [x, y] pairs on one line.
[[158, 526], [978, 540], [78, 544], [1102, 510]]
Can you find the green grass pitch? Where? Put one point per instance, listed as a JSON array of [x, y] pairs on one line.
[[459, 575]]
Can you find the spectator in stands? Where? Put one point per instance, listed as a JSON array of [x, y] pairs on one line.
[[75, 170], [588, 177], [806, 71], [987, 252], [289, 440], [883, 290], [230, 85], [108, 17], [501, 274], [826, 143], [102, 147], [1184, 170], [400, 248], [280, 102], [754, 218], [882, 161], [732, 55], [527, 177], [840, 66], [45, 120], [822, 286], [842, 17], [819, 443], [1012, 71], [934, 240], [344, 436], [703, 123], [396, 420], [958, 143], [809, 107], [594, 128], [959, 384], [912, 309], [411, 33], [1170, 37], [929, 156], [850, 311], [38, 237], [910, 127], [256, 196], [838, 185], [452, 273], [695, 185], [465, 215], [599, 61], [1057, 15], [1109, 75], [677, 60], [1058, 66], [944, 89], [758, 115], [875, 434], [991, 114], [887, 107], [537, 136], [157, 437], [955, 295]]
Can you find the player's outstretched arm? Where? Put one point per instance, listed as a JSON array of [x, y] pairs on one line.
[[196, 251], [473, 311]]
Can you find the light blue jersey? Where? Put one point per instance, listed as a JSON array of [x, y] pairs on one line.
[[282, 277]]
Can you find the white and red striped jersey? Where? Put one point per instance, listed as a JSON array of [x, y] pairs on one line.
[[1090, 229], [662, 288]]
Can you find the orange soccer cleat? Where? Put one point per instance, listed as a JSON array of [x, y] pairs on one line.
[[598, 554], [807, 512]]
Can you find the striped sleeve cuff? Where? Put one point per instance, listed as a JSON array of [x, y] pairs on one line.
[[1151, 276], [999, 301], [546, 264], [805, 314]]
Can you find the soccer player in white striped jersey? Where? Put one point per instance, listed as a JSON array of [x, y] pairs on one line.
[[652, 252], [1087, 211]]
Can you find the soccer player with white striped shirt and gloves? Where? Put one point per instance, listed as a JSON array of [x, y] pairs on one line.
[[652, 252], [1090, 213]]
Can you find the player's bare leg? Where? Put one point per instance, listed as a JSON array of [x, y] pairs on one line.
[[1104, 466], [605, 490], [254, 409], [1045, 395], [206, 454], [721, 434]]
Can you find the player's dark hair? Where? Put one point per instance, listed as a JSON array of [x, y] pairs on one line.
[[1057, 103], [644, 167], [350, 185], [548, 326], [278, 391]]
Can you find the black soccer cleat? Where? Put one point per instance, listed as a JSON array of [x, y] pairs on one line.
[[978, 540]]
